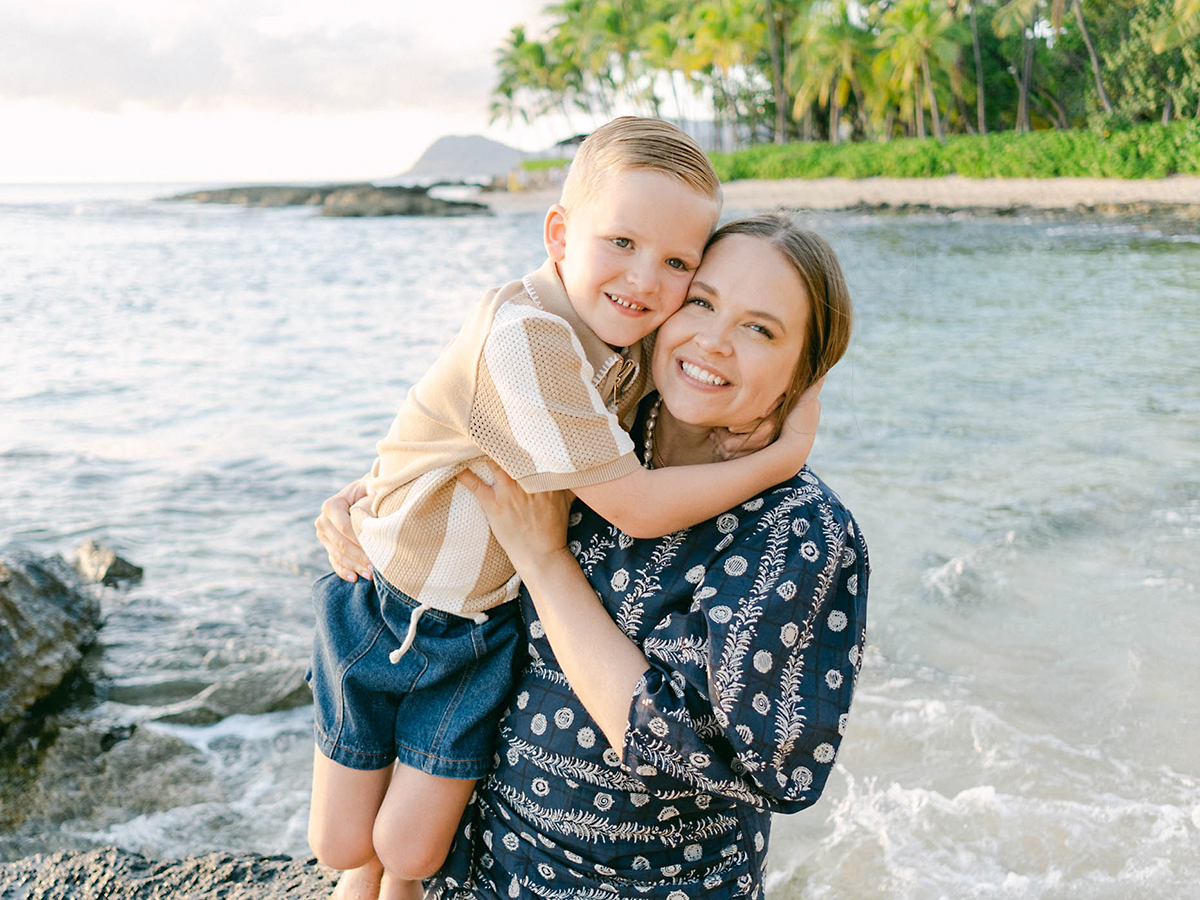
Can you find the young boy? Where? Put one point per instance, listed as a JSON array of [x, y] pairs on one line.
[[544, 378]]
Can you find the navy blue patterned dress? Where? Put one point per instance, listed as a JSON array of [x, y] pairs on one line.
[[753, 623]]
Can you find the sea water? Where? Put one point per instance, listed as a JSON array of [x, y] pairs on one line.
[[1016, 428]]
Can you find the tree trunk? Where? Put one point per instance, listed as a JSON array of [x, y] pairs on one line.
[[965, 115], [918, 109], [933, 107], [781, 98], [1087, 40], [1057, 114], [981, 111], [1166, 116], [835, 133], [1024, 125], [868, 131]]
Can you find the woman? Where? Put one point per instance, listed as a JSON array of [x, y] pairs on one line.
[[659, 723]]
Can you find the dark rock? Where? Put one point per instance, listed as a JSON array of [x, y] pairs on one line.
[[46, 621], [368, 200], [264, 195], [93, 774], [344, 200], [114, 874], [270, 687], [100, 564]]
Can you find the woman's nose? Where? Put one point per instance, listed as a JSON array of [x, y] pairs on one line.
[[714, 340]]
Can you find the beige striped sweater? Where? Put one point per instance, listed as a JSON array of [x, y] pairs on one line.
[[524, 382]]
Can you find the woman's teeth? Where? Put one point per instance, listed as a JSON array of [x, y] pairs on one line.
[[694, 371], [625, 303]]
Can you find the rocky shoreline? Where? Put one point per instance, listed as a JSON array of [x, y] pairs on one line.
[[71, 765], [113, 874], [340, 200]]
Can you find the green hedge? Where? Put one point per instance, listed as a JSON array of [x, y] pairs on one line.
[[537, 165], [1145, 151]]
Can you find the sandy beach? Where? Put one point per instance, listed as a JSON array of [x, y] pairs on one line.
[[1178, 193]]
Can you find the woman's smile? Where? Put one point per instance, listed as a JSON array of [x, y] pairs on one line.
[[702, 374]]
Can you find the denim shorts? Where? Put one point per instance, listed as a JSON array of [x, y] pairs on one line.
[[436, 709]]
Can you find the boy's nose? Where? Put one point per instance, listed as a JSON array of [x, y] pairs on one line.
[[644, 278]]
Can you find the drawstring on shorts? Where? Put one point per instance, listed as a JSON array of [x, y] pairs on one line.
[[395, 656]]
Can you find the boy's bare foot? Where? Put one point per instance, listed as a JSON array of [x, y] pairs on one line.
[[363, 883]]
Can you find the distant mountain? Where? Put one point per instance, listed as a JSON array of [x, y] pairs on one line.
[[464, 157]]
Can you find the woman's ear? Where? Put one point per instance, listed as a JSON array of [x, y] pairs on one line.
[[554, 232]]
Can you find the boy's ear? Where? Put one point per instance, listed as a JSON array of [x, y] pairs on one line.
[[554, 232]]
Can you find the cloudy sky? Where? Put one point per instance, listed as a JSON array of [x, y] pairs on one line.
[[221, 90]]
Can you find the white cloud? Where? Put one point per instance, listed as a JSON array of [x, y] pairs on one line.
[[294, 57], [240, 90]]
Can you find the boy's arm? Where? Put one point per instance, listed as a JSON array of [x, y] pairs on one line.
[[647, 504]]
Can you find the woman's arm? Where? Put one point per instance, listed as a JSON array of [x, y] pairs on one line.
[[336, 534], [744, 694], [601, 664]]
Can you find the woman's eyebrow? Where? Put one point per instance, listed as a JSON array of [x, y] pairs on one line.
[[707, 288], [763, 314]]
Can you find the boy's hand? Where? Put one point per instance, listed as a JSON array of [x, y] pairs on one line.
[[799, 429], [735, 443], [336, 534]]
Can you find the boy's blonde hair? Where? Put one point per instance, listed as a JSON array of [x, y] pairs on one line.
[[631, 142]]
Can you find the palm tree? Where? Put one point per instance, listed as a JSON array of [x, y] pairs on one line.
[[833, 56], [727, 35], [1056, 18], [1180, 28], [914, 33], [1013, 17], [524, 77]]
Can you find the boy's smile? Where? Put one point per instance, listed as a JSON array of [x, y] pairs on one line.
[[626, 255]]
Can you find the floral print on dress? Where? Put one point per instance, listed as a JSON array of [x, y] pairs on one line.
[[753, 625]]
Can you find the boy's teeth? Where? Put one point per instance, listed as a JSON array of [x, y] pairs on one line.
[[625, 303], [700, 374]]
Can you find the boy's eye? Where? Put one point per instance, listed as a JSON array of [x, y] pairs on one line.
[[623, 243], [677, 263]]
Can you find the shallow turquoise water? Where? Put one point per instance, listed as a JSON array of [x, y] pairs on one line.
[[1017, 428]]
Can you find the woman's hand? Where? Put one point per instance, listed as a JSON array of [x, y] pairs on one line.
[[530, 527], [336, 534]]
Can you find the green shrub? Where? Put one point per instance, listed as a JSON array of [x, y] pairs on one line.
[[1101, 151], [538, 165]]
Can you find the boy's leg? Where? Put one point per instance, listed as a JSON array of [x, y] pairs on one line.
[[416, 823], [345, 803]]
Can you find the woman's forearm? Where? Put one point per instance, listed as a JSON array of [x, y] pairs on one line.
[[601, 664]]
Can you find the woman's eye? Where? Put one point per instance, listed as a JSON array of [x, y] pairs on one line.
[[623, 243], [765, 332], [700, 301]]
